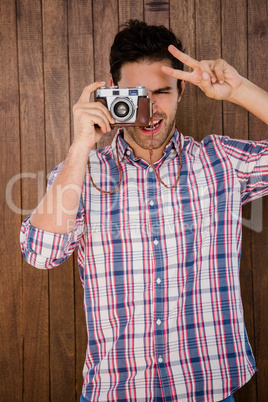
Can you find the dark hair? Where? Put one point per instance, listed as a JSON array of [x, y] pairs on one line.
[[138, 41]]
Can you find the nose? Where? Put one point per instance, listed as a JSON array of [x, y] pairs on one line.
[[155, 108], [151, 96]]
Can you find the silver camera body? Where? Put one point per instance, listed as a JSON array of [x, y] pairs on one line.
[[128, 106]]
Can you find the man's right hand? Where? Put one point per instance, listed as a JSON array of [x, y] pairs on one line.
[[91, 119], [57, 211]]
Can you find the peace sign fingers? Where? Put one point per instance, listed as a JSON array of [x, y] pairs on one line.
[[202, 70], [183, 57]]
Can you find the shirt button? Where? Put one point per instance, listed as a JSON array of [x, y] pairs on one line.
[[160, 360], [128, 152], [158, 322], [151, 169], [158, 281], [152, 203], [155, 242]]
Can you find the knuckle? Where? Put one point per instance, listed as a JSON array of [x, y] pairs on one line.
[[88, 87], [203, 63], [75, 107], [218, 63]]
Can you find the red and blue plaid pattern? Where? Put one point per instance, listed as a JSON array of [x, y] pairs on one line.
[[160, 270]]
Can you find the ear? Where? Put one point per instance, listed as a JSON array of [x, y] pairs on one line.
[[183, 82], [111, 82]]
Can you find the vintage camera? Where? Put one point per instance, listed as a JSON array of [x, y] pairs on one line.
[[128, 106]]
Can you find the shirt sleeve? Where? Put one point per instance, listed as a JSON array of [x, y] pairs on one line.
[[46, 250], [250, 162]]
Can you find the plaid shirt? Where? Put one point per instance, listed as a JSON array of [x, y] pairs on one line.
[[160, 269]]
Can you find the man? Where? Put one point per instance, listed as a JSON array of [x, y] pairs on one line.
[[157, 224]]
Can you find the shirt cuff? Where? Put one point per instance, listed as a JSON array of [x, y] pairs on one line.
[[44, 249]]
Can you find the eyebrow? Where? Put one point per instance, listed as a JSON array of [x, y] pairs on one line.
[[164, 89]]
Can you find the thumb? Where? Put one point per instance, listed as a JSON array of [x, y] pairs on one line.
[[85, 97]]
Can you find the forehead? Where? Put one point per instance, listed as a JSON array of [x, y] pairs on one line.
[[146, 73]]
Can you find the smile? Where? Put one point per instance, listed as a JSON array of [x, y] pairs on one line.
[[157, 124]]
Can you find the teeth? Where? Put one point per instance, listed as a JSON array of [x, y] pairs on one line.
[[156, 124]]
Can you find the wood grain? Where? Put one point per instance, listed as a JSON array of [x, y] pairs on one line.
[[182, 22], [208, 46], [11, 326], [130, 9], [235, 125], [156, 12], [57, 120], [32, 132], [257, 65], [81, 71], [105, 18], [49, 51]]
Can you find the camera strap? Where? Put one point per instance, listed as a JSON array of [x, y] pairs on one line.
[[151, 158], [119, 171]]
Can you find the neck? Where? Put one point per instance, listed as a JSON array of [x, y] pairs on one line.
[[144, 153]]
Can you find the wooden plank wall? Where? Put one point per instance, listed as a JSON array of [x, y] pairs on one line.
[[50, 50]]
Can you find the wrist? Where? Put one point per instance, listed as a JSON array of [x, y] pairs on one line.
[[241, 94], [81, 148], [78, 155], [252, 98]]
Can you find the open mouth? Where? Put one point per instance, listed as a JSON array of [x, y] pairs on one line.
[[156, 126]]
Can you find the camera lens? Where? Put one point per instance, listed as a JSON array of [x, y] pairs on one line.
[[121, 109]]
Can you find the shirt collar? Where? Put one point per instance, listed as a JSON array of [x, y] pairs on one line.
[[174, 143], [124, 150]]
